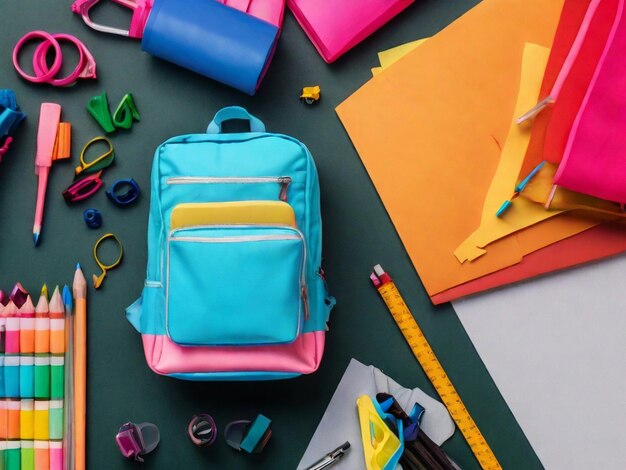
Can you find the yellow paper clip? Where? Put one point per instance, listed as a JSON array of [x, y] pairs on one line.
[[63, 143], [97, 280]]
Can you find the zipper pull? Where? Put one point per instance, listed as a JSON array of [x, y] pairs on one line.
[[305, 300], [284, 181]]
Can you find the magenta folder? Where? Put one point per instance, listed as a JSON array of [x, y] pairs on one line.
[[336, 26], [267, 10]]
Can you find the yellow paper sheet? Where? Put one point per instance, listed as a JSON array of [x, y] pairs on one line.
[[429, 131], [390, 56], [522, 213]]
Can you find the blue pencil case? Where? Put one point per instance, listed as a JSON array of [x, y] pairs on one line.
[[211, 39]]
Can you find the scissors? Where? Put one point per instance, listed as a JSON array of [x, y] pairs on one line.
[[97, 280], [99, 163]]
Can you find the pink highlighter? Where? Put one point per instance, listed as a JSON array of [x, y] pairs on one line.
[[49, 119]]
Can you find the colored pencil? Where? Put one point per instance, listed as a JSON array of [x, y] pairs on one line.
[[3, 405], [18, 294], [57, 323], [27, 381], [3, 327], [12, 344], [68, 438], [27, 345], [80, 365], [12, 357], [57, 382]]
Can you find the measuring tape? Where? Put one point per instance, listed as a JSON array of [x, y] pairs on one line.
[[433, 368]]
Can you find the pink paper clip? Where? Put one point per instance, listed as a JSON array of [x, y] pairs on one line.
[[141, 10]]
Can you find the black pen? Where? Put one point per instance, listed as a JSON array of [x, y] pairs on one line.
[[331, 458]]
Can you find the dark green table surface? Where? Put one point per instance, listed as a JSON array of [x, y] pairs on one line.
[[357, 234]]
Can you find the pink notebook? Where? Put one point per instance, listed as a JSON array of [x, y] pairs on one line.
[[336, 26]]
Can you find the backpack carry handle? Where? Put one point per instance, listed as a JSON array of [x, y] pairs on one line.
[[234, 112]]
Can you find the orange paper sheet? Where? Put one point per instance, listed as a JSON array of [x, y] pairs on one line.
[[523, 213], [430, 130]]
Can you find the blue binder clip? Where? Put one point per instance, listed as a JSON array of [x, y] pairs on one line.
[[123, 192]]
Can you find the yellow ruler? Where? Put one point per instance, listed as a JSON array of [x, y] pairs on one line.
[[433, 369]]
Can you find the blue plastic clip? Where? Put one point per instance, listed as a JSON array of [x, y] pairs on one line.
[[123, 192], [518, 189], [93, 218]]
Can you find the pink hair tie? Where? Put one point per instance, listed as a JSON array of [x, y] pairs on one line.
[[86, 67], [56, 65]]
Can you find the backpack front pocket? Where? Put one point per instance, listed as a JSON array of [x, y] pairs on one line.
[[235, 285]]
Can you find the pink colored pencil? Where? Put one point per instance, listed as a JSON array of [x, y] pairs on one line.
[[18, 295], [4, 299], [12, 342]]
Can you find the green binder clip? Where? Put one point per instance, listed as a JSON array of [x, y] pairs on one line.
[[98, 107], [126, 113]]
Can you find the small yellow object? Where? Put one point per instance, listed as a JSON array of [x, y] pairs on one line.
[[232, 213], [311, 94]]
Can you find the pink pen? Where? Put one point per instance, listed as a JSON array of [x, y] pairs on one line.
[[49, 118]]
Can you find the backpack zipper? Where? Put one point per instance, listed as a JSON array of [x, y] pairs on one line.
[[284, 181], [235, 239]]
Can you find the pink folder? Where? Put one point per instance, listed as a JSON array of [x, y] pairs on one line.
[[267, 10], [594, 162], [336, 26]]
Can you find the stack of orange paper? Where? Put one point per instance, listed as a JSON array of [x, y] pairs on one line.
[[436, 133]]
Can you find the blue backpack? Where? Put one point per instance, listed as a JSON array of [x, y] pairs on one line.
[[234, 289]]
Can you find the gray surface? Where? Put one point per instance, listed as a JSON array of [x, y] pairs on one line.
[[357, 231], [583, 308]]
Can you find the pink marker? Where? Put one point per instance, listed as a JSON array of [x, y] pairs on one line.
[[49, 119]]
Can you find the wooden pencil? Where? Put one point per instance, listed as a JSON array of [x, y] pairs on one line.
[[80, 367]]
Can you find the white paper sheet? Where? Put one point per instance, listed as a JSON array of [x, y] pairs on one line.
[[556, 349], [340, 422]]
